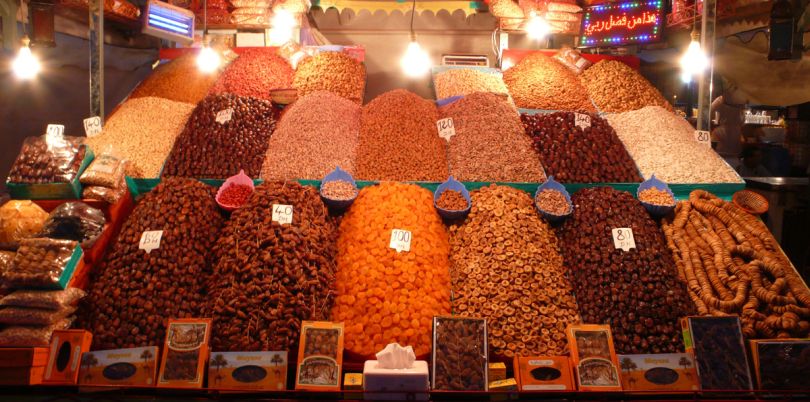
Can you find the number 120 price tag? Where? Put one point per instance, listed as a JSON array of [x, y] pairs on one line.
[[400, 240], [283, 214], [446, 128]]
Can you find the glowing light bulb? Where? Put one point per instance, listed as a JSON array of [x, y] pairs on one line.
[[537, 27], [694, 61], [208, 60], [507, 64], [25, 65], [415, 62], [283, 23]]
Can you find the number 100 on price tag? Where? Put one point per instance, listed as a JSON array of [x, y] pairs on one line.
[[400, 240], [283, 214]]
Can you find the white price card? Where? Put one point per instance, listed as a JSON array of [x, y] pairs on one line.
[[623, 238], [92, 126], [703, 138], [150, 240], [582, 121], [283, 214], [400, 240], [224, 116], [446, 128], [55, 131]]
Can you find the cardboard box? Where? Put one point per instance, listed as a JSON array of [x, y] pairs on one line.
[[353, 382], [496, 371], [21, 375], [474, 349], [185, 353], [134, 367], [248, 370], [781, 364], [720, 358], [24, 357], [594, 357], [508, 384], [658, 372], [319, 365], [65, 355], [544, 373]]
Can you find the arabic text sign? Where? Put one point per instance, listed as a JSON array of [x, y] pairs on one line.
[[618, 24]]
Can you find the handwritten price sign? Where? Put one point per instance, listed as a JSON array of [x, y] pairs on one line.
[[400, 240], [446, 128], [224, 116], [92, 126], [283, 214], [150, 240], [623, 238], [582, 121], [703, 138]]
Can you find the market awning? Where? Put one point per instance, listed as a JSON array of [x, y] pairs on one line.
[[403, 6]]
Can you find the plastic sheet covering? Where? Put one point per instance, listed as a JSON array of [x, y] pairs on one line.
[[43, 299], [22, 336], [74, 221], [20, 219], [39, 263]]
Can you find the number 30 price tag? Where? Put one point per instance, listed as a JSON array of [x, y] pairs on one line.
[[623, 238], [703, 138], [150, 240], [400, 240], [283, 214]]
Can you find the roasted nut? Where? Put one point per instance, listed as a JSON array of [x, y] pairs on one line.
[[335, 72], [539, 82], [179, 80], [464, 81], [255, 73], [616, 87], [655, 196]]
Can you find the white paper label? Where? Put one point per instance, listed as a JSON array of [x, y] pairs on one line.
[[703, 137], [623, 238], [582, 121], [400, 240], [446, 128], [55, 132], [150, 240], [224, 116], [283, 214], [92, 126]]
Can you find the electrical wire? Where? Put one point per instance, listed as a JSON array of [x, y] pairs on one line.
[[413, 12]]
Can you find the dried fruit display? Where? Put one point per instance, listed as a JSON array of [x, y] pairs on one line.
[[316, 134], [383, 295], [486, 124], [637, 291], [507, 268], [179, 80], [540, 82], [451, 200], [576, 155], [133, 293], [268, 276], [460, 358], [45, 160], [663, 144], [335, 72], [255, 73], [465, 81], [733, 266], [616, 87], [143, 131], [225, 134], [399, 140]]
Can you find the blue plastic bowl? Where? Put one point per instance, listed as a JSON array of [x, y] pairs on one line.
[[338, 175], [652, 209], [552, 184], [447, 101], [452, 184]]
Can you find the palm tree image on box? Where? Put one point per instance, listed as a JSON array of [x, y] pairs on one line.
[[276, 360], [219, 362], [88, 361], [629, 365], [147, 356], [686, 364]]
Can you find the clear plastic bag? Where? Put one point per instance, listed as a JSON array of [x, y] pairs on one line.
[[572, 59], [44, 159], [33, 316], [251, 3], [43, 299], [74, 221], [106, 171], [250, 16], [20, 219], [21, 337], [39, 263], [108, 195]]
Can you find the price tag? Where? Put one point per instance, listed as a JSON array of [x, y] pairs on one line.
[[92, 126], [55, 131], [224, 116], [150, 240], [623, 238], [446, 128], [400, 240], [703, 137], [283, 214], [582, 121]]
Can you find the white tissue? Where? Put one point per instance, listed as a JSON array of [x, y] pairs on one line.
[[395, 356]]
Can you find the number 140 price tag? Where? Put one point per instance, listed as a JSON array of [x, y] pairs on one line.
[[400, 240], [283, 214]]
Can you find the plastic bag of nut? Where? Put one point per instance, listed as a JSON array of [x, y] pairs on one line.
[[74, 221], [48, 160], [43, 299], [572, 59], [105, 170], [39, 263], [460, 354], [33, 316], [28, 336]]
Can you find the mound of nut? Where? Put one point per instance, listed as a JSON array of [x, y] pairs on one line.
[[255, 73], [506, 267], [269, 277], [540, 82], [616, 87], [637, 291], [335, 72], [133, 293], [224, 134], [464, 81]]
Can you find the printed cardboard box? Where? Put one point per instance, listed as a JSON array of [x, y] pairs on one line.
[[658, 372], [595, 363], [782, 364], [720, 357], [320, 356], [132, 367], [185, 353], [544, 373], [65, 355], [248, 370]]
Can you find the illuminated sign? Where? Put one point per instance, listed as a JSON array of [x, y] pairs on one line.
[[169, 22], [618, 24]]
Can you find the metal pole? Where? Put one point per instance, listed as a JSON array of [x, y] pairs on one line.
[[97, 58], [707, 45], [8, 20]]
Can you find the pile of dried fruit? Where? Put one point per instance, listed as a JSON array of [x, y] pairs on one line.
[[638, 291], [451, 200], [178, 80], [399, 141], [540, 82], [663, 144], [464, 81], [255, 73], [133, 293], [507, 268], [386, 296], [616, 87], [269, 277], [338, 190], [576, 155], [316, 134], [335, 72], [225, 133], [552, 201], [461, 355], [486, 124], [143, 131], [733, 266]]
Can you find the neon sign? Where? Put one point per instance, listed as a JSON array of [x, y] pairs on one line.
[[618, 24]]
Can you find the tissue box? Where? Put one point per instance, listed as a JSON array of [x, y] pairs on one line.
[[594, 357], [720, 357], [781, 364], [544, 373], [658, 372], [67, 347], [401, 383]]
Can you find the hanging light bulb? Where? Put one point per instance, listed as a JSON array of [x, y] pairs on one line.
[[208, 59], [537, 27], [416, 61], [282, 24], [25, 65]]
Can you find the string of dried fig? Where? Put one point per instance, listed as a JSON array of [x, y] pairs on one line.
[[733, 265]]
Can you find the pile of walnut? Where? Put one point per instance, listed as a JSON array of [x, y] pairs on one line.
[[733, 266]]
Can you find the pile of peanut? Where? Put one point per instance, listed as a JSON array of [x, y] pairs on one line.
[[464, 81], [540, 82], [616, 87], [331, 71], [179, 80]]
